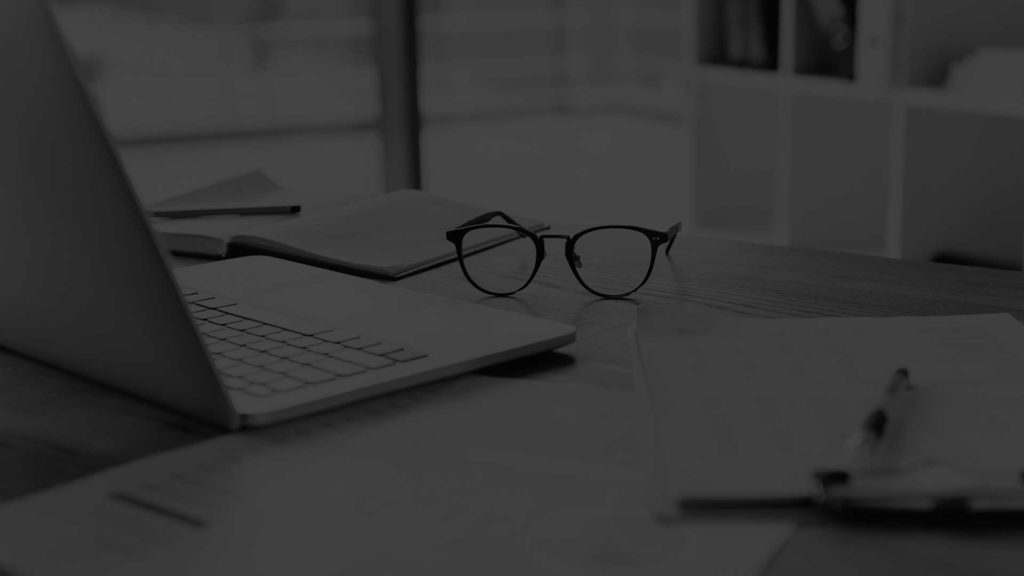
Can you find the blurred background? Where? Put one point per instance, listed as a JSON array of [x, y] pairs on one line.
[[564, 109], [886, 127]]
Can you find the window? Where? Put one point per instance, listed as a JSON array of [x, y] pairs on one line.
[[556, 107], [196, 90], [532, 106]]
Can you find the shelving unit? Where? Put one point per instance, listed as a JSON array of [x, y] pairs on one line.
[[863, 151]]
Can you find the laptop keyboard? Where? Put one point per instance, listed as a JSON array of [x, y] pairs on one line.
[[261, 352]]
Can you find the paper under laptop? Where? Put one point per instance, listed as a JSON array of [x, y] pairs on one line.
[[748, 409], [478, 476]]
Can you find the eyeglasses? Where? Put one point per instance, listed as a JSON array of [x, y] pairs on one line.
[[609, 261]]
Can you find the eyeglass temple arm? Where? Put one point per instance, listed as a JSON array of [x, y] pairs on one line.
[[484, 218], [672, 233]]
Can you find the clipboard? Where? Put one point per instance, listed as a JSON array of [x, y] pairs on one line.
[[724, 462], [928, 491]]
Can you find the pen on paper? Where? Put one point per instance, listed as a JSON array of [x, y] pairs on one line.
[[876, 428]]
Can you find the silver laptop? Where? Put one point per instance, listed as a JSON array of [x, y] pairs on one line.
[[242, 342]]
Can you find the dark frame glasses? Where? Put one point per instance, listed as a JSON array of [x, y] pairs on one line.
[[483, 222]]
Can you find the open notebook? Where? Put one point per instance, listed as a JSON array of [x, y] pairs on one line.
[[385, 235]]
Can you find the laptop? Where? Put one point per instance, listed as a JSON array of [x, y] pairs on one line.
[[236, 343]]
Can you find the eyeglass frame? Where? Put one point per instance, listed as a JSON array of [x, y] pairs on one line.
[[456, 236]]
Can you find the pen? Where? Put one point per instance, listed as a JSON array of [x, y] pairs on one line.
[[862, 448], [227, 210], [877, 424]]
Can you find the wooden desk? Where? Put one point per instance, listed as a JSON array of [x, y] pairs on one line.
[[57, 428]]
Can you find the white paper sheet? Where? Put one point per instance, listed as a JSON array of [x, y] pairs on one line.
[[751, 408], [479, 476]]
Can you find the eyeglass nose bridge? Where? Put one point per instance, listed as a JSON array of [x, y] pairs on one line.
[[570, 254], [543, 237]]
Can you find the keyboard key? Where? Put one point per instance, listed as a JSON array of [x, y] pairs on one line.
[[224, 333], [260, 359], [209, 341], [407, 355], [203, 314], [311, 375], [285, 351], [206, 327], [257, 390], [284, 335], [221, 347], [276, 319], [193, 308], [282, 366], [262, 377], [215, 302], [382, 348], [239, 371], [236, 383], [285, 384], [263, 330], [337, 336], [339, 367], [245, 339], [264, 345], [325, 348], [361, 358], [240, 353], [307, 357], [304, 341], [244, 325], [224, 319], [360, 342], [221, 363], [197, 296]]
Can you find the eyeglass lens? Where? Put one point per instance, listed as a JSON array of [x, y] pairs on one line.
[[502, 269], [612, 261]]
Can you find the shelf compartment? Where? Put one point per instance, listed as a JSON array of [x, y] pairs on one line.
[[964, 179], [825, 34], [739, 33]]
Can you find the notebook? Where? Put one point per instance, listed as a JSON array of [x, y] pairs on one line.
[[251, 193], [383, 235]]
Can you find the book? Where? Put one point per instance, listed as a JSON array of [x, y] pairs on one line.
[[384, 235]]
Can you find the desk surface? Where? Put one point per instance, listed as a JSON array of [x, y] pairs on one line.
[[58, 427]]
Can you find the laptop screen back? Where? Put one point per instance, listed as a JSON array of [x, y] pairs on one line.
[[84, 285]]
